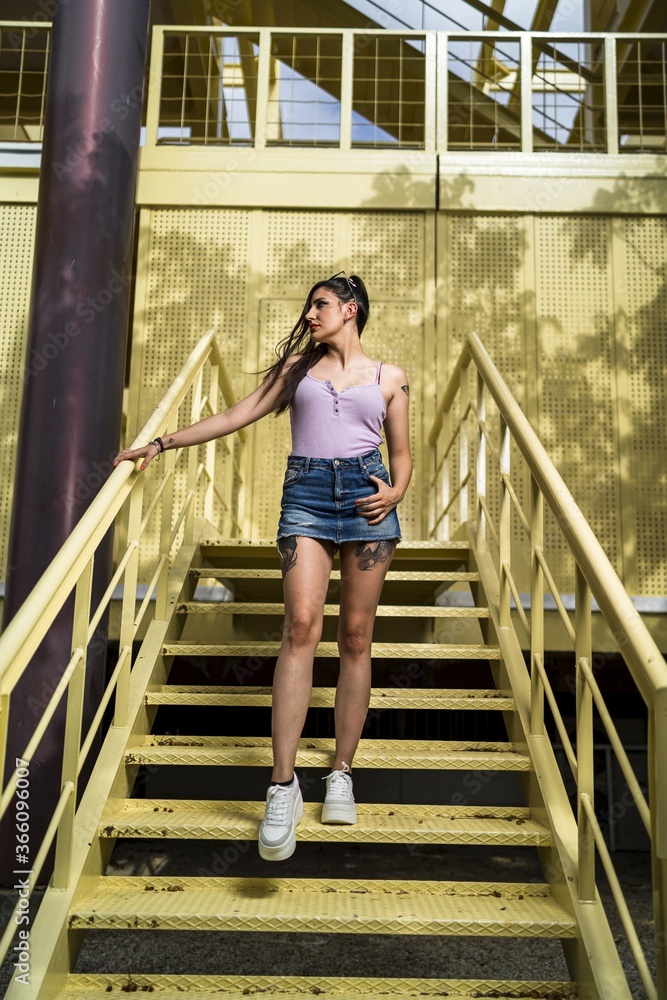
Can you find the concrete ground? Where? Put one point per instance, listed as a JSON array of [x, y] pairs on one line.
[[346, 954]]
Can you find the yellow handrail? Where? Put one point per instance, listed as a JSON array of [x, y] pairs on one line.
[[594, 577], [71, 569], [645, 660], [31, 622]]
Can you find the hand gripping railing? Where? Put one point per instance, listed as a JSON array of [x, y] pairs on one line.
[[462, 464], [72, 568]]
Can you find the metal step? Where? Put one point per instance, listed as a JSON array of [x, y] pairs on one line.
[[383, 611], [404, 576], [196, 819], [361, 906], [380, 650], [323, 697], [255, 751], [87, 986], [256, 549]]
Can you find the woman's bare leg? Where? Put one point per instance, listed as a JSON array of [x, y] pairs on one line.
[[363, 567], [306, 566]]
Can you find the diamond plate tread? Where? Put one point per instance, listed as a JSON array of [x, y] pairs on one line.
[[256, 751], [366, 906], [383, 611], [406, 576], [87, 986], [190, 819], [380, 650], [323, 697]]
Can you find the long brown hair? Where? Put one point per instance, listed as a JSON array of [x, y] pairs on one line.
[[299, 341]]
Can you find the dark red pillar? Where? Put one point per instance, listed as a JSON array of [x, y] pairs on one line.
[[75, 352]]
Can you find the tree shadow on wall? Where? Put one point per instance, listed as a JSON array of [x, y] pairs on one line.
[[637, 320], [194, 284]]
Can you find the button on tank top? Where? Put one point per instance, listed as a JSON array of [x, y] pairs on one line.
[[327, 423]]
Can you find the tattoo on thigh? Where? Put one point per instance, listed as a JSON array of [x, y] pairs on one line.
[[370, 554], [287, 550]]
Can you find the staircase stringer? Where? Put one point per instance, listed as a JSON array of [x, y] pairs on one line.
[[547, 797], [54, 947]]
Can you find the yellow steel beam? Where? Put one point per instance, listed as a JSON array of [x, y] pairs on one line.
[[482, 70]]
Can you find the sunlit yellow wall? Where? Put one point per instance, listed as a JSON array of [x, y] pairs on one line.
[[571, 307], [17, 223], [246, 273]]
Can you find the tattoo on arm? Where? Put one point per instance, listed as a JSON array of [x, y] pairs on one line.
[[406, 389]]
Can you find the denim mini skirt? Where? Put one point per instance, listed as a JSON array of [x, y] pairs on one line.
[[319, 495]]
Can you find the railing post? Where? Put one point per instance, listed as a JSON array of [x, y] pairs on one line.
[[585, 761], [442, 93], [166, 518], [536, 609], [430, 91], [155, 86], [73, 725], [347, 75], [610, 94], [480, 460], [446, 484], [504, 527], [211, 446], [657, 765], [263, 83], [464, 446], [128, 607], [526, 78], [193, 461]]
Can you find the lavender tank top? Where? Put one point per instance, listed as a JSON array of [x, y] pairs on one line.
[[331, 424]]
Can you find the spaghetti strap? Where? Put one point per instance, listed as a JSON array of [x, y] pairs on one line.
[[377, 377]]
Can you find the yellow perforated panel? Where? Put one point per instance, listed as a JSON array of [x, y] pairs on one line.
[[646, 269], [17, 225], [482, 290], [247, 274], [386, 249], [192, 276], [272, 435], [197, 279], [578, 425]]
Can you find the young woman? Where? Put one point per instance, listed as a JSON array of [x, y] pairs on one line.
[[337, 497]]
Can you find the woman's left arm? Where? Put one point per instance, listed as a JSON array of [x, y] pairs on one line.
[[397, 431]]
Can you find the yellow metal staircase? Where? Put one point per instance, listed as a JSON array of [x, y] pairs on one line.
[[418, 623], [309, 905]]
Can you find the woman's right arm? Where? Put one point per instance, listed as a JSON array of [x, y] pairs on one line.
[[246, 411]]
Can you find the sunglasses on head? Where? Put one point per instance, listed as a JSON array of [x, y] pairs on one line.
[[350, 284]]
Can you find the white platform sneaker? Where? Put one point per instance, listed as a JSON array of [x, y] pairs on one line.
[[277, 831], [339, 805]]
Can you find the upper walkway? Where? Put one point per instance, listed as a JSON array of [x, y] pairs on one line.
[[373, 89]]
